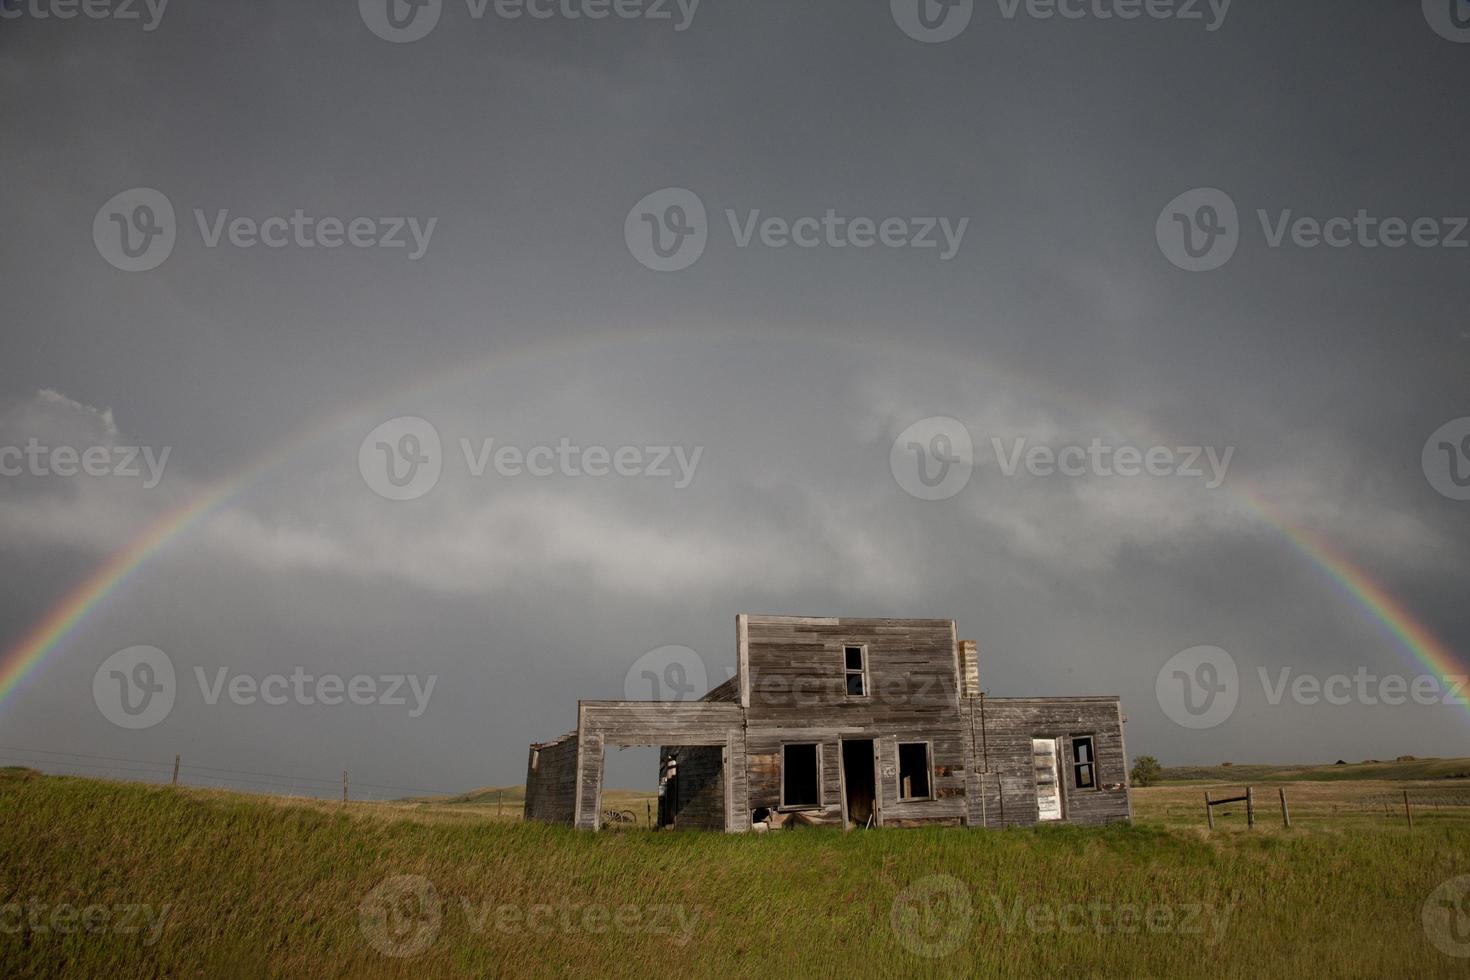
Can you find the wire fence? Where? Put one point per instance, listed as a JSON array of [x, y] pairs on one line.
[[215, 777]]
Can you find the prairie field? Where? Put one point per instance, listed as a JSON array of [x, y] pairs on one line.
[[113, 879]]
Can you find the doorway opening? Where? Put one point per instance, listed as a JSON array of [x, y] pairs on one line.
[[859, 782]]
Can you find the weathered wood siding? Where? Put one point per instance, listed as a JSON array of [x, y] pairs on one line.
[[660, 723], [551, 781], [700, 787], [1002, 789], [794, 680]]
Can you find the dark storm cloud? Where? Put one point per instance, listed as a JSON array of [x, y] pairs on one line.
[[527, 142]]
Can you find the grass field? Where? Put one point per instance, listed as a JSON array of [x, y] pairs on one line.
[[100, 878]]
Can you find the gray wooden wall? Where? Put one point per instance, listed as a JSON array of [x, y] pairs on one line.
[[700, 786], [625, 723], [797, 693], [1002, 786], [551, 781]]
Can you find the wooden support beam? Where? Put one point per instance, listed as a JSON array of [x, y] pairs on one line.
[[1285, 813], [1209, 811]]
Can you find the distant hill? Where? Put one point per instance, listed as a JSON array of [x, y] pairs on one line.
[[1371, 769]]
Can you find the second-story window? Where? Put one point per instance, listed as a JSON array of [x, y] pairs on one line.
[[1084, 765], [855, 664]]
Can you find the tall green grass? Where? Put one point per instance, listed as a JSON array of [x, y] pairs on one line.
[[260, 887]]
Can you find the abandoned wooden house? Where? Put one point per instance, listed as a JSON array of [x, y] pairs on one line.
[[848, 722]]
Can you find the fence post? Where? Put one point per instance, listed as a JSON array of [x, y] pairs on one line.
[[1407, 812], [344, 785], [647, 813], [176, 772], [1285, 813], [1209, 811], [1250, 807]]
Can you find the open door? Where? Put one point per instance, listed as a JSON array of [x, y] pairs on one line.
[[1048, 786], [859, 782]]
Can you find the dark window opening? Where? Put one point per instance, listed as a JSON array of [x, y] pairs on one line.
[[1084, 763], [913, 771], [800, 775], [855, 668]]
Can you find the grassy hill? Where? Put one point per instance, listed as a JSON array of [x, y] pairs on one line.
[[242, 885], [1407, 769]]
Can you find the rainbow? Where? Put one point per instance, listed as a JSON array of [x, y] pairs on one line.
[[1392, 615], [1389, 613]]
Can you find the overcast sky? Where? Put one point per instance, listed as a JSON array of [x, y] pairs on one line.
[[519, 160]]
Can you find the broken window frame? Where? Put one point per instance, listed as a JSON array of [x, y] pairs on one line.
[[928, 765], [849, 672], [1090, 763], [784, 806]]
